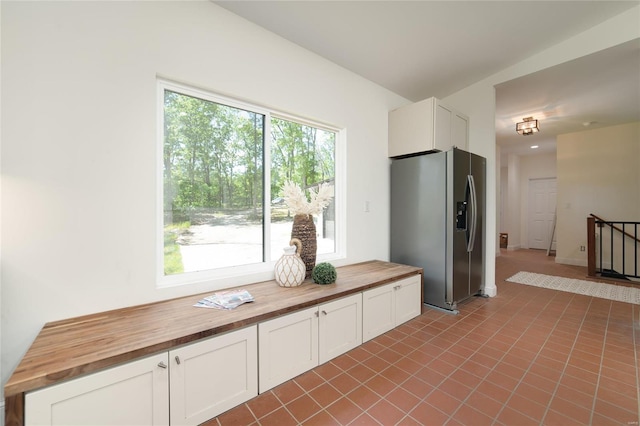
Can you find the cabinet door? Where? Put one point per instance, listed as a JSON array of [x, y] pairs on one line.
[[411, 128], [407, 298], [460, 131], [136, 393], [340, 327], [288, 347], [214, 375], [442, 131], [378, 311]]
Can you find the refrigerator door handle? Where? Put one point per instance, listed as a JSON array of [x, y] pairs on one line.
[[474, 213]]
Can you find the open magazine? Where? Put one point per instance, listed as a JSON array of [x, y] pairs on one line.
[[225, 299]]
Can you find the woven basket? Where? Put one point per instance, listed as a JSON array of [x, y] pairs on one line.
[[305, 230]]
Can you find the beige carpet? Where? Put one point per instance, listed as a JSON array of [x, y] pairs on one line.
[[587, 288]]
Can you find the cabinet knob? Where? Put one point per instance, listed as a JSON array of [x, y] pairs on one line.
[[324, 312], [177, 360], [161, 364]]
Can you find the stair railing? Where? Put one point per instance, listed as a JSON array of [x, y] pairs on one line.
[[622, 248]]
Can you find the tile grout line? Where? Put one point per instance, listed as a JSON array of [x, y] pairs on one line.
[[604, 345], [397, 340], [398, 385], [555, 390], [635, 330], [406, 413], [505, 403], [420, 400], [342, 395], [497, 332]]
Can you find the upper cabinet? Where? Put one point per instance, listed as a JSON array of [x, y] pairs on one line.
[[427, 125]]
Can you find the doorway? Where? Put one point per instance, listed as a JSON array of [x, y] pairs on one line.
[[542, 212]]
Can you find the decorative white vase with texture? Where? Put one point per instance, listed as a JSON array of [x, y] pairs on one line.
[[290, 269]]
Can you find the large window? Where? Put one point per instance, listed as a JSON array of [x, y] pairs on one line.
[[223, 167]]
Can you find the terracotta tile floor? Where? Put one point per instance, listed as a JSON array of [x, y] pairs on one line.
[[529, 356]]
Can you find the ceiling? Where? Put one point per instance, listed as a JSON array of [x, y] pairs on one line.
[[598, 90], [420, 49]]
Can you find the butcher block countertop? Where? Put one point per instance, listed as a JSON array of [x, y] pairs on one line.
[[77, 346]]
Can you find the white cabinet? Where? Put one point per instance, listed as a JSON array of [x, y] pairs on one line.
[[288, 347], [408, 303], [136, 393], [193, 383], [297, 342], [378, 311], [340, 327], [185, 386], [388, 306], [212, 376], [426, 126]]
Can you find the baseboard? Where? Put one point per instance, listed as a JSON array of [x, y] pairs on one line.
[[572, 262], [490, 291], [513, 247]]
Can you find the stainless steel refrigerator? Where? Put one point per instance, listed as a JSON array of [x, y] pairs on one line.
[[437, 222]]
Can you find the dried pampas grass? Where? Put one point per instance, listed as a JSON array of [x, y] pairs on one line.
[[297, 202]]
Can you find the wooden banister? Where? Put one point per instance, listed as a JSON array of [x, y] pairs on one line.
[[615, 227]]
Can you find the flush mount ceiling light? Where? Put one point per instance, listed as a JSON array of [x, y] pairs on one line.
[[527, 127]]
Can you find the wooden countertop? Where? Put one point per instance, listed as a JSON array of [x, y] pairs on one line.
[[76, 346]]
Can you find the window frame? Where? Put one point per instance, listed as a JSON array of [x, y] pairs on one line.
[[264, 269]]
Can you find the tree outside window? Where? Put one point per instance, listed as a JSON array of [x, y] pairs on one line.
[[214, 176]]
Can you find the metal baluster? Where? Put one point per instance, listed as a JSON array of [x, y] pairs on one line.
[[611, 253], [600, 242], [623, 251], [635, 257]]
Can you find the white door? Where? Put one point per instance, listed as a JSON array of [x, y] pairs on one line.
[[542, 210], [213, 375]]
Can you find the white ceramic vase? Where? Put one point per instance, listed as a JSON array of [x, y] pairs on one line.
[[290, 269]]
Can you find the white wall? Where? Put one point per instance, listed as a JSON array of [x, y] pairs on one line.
[[514, 210], [478, 101], [501, 199], [503, 226], [599, 173], [79, 145]]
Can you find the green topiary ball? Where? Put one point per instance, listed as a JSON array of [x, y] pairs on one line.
[[324, 273]]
